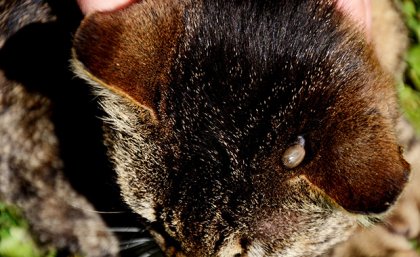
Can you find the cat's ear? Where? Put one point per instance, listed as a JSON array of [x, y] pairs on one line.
[[363, 171], [130, 51]]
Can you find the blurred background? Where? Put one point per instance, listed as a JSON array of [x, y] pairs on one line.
[[409, 90]]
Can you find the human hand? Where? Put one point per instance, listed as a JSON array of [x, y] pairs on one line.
[[90, 6], [360, 11]]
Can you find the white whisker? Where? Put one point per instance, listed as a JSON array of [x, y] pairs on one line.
[[149, 253], [110, 212], [134, 243], [126, 230]]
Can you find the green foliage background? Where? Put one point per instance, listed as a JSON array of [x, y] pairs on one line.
[[409, 91], [15, 240]]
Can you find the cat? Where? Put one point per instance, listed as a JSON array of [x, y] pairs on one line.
[[236, 128], [244, 128], [37, 133]]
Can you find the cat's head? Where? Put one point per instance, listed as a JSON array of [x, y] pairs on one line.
[[244, 128]]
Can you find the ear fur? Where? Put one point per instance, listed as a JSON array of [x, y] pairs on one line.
[[359, 188], [131, 51], [363, 169]]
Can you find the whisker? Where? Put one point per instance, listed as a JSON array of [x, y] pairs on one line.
[[149, 253], [126, 230], [134, 243], [110, 212]]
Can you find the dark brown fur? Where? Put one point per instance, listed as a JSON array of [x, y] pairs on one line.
[[203, 100], [231, 87], [158, 37]]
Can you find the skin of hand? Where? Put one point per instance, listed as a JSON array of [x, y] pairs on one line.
[[359, 10], [90, 6]]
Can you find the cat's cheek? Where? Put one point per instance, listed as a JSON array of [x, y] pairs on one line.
[[325, 201], [147, 211], [165, 245], [159, 239], [232, 247], [145, 206], [306, 217]]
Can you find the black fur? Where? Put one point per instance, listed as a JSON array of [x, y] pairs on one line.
[[242, 82]]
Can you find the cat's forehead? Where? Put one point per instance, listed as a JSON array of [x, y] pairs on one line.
[[233, 56], [283, 91]]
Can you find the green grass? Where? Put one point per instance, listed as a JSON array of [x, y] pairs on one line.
[[409, 91], [15, 239]]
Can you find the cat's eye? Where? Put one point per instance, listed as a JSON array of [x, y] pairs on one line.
[[295, 154]]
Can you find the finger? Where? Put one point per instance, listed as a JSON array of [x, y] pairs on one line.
[[90, 6], [359, 11]]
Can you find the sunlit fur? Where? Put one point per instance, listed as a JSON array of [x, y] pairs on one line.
[[200, 115]]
